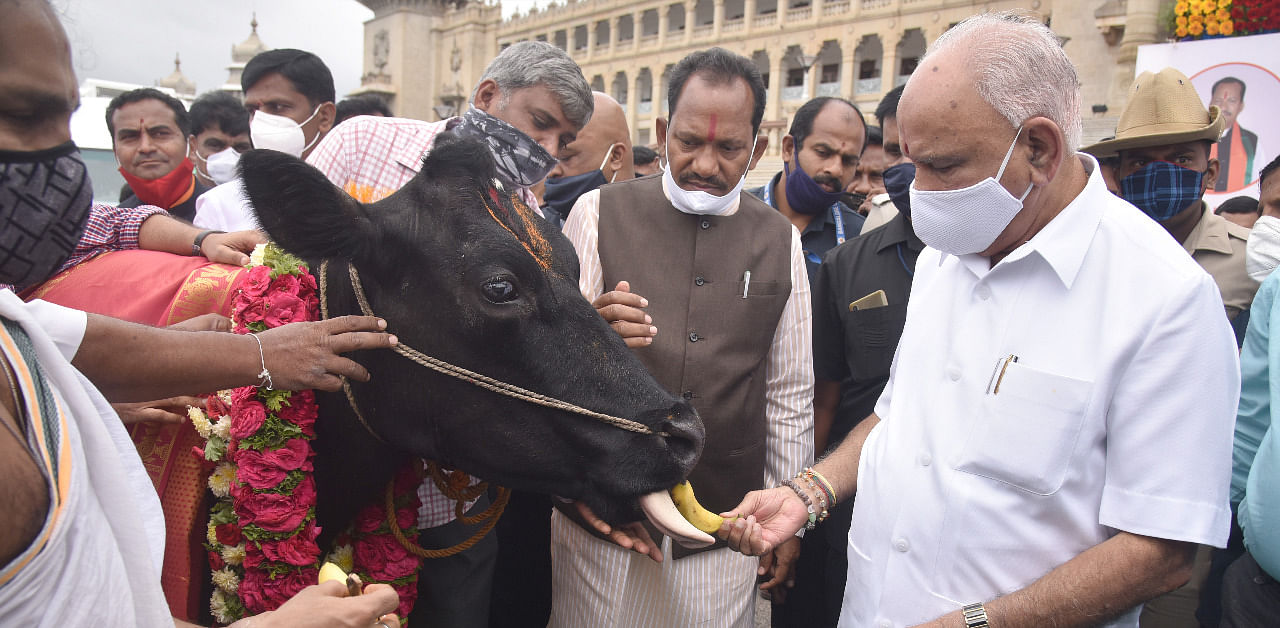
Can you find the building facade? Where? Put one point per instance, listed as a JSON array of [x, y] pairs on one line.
[[424, 56]]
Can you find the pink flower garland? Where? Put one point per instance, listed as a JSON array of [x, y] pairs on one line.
[[262, 532]]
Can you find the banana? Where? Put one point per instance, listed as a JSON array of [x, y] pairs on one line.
[[330, 571], [691, 510]]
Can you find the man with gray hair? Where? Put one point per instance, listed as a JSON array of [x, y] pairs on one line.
[[1037, 457], [530, 103]]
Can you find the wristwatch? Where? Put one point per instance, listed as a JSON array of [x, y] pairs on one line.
[[195, 246], [975, 615]]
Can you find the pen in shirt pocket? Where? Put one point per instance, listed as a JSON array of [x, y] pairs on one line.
[[997, 374], [746, 283]]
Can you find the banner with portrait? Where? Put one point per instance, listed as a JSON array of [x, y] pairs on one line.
[[1241, 75]]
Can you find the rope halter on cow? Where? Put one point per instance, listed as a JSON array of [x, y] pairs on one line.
[[472, 377]]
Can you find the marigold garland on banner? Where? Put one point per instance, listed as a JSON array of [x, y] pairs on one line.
[[1206, 19], [262, 531]]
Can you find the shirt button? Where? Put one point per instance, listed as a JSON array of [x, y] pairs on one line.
[[699, 280], [694, 337], [983, 292], [925, 460], [901, 545], [953, 373], [688, 394], [705, 224]]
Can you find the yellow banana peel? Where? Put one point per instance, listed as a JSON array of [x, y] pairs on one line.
[[692, 511]]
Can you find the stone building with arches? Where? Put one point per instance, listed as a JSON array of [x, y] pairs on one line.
[[424, 55]]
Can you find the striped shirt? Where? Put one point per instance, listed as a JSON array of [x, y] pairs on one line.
[[370, 158], [110, 229], [599, 584]]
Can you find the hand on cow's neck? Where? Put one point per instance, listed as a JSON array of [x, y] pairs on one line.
[[801, 221]]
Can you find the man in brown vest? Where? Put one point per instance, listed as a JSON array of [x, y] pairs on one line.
[[722, 274]]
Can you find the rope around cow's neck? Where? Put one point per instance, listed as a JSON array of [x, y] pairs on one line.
[[438, 365]]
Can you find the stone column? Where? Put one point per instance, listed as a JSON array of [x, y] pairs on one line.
[[664, 25], [773, 108], [783, 7], [689, 17], [817, 10], [719, 18], [748, 14], [889, 61], [591, 40], [1139, 29], [848, 73]]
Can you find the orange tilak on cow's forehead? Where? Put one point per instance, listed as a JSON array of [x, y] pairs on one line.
[[533, 242]]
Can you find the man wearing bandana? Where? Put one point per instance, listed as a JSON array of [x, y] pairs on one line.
[[819, 159], [1166, 172], [530, 103], [149, 132]]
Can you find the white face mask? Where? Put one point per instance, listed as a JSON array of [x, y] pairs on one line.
[[275, 132], [221, 166], [1262, 253], [967, 220], [699, 202]]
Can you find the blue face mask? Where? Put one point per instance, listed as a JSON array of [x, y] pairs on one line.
[[804, 195], [897, 183], [1162, 189]]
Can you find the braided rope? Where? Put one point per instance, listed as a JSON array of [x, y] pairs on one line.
[[483, 381], [489, 516]]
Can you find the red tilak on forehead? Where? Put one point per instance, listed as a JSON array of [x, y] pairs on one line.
[[711, 129]]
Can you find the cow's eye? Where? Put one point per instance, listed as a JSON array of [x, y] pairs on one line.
[[500, 290]]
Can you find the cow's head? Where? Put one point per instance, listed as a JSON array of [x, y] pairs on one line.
[[464, 272]]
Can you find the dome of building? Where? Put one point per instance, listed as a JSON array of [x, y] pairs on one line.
[[247, 49], [178, 81]]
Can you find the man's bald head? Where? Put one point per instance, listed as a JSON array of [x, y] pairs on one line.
[[37, 85], [1017, 65], [605, 134]]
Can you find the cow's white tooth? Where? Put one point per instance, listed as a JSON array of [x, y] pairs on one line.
[[661, 511]]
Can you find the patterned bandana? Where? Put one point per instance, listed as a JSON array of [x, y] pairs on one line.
[[1162, 189], [518, 158], [44, 206]]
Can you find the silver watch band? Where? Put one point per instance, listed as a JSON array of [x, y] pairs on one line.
[[975, 616]]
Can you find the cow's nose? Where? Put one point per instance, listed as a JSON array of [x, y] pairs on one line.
[[685, 433]]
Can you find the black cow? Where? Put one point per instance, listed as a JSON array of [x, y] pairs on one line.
[[462, 271]]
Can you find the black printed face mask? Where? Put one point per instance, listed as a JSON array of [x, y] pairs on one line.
[[44, 205]]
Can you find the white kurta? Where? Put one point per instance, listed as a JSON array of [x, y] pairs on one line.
[[96, 566], [985, 473], [596, 583]]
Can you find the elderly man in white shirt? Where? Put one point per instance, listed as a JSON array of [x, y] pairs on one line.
[[1055, 436]]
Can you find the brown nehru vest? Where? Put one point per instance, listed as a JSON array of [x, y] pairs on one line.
[[712, 343]]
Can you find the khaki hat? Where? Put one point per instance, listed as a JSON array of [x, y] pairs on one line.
[[1163, 109]]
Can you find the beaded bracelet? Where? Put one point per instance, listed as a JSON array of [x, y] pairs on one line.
[[808, 503], [831, 491], [822, 496]]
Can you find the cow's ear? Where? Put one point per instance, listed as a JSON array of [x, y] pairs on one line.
[[301, 210]]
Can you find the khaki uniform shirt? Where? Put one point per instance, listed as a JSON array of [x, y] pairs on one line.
[[1218, 245]]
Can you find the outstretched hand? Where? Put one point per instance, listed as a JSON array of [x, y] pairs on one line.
[[764, 520], [326, 605], [632, 536], [308, 355]]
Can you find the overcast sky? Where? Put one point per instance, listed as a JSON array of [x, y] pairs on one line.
[[135, 40]]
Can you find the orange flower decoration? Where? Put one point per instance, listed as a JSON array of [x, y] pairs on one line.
[[1227, 27], [1181, 31], [1211, 28], [1209, 7], [1196, 29]]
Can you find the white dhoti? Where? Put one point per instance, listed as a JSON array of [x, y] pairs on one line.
[[92, 563], [598, 584]]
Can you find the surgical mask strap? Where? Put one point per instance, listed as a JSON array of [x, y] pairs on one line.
[[1008, 154]]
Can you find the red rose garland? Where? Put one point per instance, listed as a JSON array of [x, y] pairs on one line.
[[262, 531]]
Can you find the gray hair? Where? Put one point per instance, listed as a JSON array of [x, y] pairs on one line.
[[1020, 69], [530, 63]]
